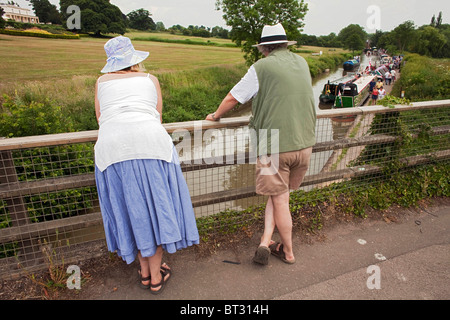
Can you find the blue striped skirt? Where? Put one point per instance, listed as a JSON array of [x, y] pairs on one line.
[[145, 204]]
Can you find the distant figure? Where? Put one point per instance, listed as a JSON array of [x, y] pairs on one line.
[[372, 84], [393, 74], [373, 101], [388, 77], [283, 102], [379, 83], [144, 199], [381, 93]]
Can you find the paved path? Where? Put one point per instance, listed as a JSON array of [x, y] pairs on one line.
[[368, 260]]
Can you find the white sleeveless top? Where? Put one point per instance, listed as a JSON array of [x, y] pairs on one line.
[[130, 126]]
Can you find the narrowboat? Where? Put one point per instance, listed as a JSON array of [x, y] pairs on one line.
[[354, 94], [332, 88], [351, 64]]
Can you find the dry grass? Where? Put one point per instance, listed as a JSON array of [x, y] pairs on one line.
[[26, 58]]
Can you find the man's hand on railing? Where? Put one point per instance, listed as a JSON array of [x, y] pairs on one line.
[[228, 103]]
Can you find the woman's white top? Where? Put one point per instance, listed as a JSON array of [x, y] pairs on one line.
[[130, 126]]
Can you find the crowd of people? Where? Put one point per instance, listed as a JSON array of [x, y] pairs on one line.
[[377, 87]]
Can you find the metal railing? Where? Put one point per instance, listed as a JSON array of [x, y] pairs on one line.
[[48, 199]]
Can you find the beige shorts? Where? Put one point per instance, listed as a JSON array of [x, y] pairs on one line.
[[273, 179]]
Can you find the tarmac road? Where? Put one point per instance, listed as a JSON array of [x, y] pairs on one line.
[[372, 260]]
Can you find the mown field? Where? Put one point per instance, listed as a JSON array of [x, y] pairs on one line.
[[25, 58]]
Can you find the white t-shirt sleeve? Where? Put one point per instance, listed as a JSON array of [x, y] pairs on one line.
[[247, 88]]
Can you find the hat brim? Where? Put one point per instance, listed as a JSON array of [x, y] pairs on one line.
[[289, 43], [116, 65]]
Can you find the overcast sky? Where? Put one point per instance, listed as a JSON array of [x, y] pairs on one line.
[[323, 17]]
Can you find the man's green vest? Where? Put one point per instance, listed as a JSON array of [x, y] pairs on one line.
[[285, 102]]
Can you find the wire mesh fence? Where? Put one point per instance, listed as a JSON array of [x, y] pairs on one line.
[[49, 209]]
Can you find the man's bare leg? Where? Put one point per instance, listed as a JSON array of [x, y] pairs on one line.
[[269, 224], [283, 221]]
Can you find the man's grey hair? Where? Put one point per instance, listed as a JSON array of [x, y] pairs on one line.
[[268, 48]]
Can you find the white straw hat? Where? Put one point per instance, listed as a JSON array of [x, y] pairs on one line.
[[273, 35], [121, 54]]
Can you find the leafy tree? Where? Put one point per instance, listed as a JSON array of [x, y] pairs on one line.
[[439, 20], [219, 32], [197, 31], [374, 38], [330, 41], [141, 20], [353, 37], [248, 17], [404, 35], [430, 42], [354, 42], [160, 26], [46, 11], [2, 21], [97, 16]]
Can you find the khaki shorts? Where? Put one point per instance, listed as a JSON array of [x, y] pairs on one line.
[[273, 179]]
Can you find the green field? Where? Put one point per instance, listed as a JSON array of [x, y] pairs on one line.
[[26, 58], [194, 78]]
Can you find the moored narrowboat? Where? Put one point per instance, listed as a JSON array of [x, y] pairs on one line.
[[333, 88], [351, 64], [354, 94]]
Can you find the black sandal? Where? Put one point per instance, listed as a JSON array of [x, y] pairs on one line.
[[164, 272], [141, 285]]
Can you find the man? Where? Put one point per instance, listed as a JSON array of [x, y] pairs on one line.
[[283, 102]]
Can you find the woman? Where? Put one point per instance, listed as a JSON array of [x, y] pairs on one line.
[[381, 93], [144, 199], [374, 96]]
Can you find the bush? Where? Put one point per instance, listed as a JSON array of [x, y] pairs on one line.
[[192, 95], [424, 78], [19, 118], [39, 35]]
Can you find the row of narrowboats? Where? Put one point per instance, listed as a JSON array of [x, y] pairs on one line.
[[353, 89]]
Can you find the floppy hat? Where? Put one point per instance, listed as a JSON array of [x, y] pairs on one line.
[[121, 54], [273, 35]]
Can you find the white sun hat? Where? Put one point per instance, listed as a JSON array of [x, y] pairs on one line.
[[121, 54], [273, 35]]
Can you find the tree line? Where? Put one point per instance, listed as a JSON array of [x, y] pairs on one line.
[[102, 17], [431, 40]]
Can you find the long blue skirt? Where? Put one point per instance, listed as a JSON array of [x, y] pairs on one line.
[[145, 204]]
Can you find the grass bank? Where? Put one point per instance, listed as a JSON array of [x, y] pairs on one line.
[[424, 78]]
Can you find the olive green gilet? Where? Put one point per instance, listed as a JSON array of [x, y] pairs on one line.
[[285, 102]]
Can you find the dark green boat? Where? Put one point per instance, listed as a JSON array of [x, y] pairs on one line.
[[332, 88]]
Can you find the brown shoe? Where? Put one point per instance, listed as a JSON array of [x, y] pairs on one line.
[[279, 253], [262, 255]]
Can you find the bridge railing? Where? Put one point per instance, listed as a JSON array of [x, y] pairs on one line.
[[48, 201]]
